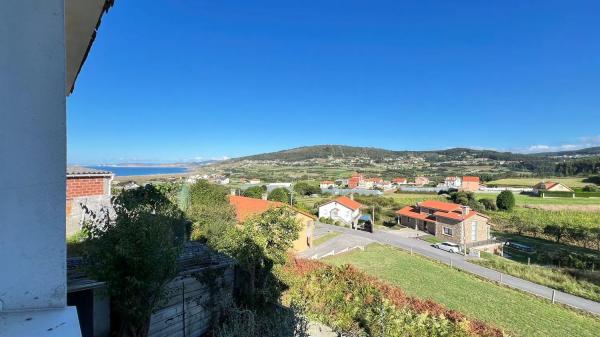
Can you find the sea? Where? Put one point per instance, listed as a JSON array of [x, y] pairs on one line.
[[140, 170]]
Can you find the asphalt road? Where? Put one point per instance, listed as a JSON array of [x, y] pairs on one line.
[[459, 261]]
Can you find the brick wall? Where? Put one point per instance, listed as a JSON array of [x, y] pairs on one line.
[[85, 186]]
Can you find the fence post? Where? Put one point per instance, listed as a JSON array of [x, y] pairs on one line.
[[528, 261], [183, 306], [593, 265], [411, 253], [500, 277], [553, 295], [450, 262]]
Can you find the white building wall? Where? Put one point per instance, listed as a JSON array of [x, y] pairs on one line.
[[343, 212], [33, 155]]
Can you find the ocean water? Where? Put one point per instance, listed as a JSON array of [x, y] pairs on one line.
[[140, 170]]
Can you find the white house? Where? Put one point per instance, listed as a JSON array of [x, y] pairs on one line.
[[327, 184], [341, 209], [453, 182]]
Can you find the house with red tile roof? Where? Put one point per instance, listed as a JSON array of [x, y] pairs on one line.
[[447, 221], [246, 207], [550, 186], [342, 209], [421, 181], [470, 184], [399, 181]]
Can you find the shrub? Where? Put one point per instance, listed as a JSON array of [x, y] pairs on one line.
[[505, 201], [255, 192], [280, 194], [355, 304], [488, 204], [590, 188], [136, 253]]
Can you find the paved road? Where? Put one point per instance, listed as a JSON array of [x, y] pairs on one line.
[[336, 245], [459, 261]]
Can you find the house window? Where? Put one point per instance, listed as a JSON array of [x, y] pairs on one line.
[[447, 231], [474, 231]]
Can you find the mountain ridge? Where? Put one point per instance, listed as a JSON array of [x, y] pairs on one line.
[[342, 151]]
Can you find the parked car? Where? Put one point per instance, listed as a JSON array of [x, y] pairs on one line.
[[448, 246]]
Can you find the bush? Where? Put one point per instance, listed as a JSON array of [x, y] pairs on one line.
[[488, 204], [135, 253], [305, 188], [355, 304], [255, 192], [505, 201], [590, 188], [280, 194]]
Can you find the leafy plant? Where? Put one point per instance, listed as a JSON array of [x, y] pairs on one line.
[[280, 194], [505, 201], [135, 253]]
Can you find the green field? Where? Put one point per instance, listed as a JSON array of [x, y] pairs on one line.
[[524, 199], [517, 312], [529, 182], [586, 284]]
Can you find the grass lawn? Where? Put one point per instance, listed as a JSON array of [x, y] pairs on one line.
[[587, 284], [517, 312], [324, 238], [529, 182], [431, 239]]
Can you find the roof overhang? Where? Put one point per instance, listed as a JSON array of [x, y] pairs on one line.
[[82, 19]]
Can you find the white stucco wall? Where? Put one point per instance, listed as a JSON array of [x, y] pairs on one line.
[[32, 154], [346, 214]]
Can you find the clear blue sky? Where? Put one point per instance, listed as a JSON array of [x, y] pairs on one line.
[[176, 80]]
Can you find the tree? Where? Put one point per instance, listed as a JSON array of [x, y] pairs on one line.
[[555, 230], [255, 192], [590, 188], [505, 201], [279, 194], [260, 245], [209, 209], [135, 253]]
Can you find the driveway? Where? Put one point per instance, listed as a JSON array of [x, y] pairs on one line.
[[399, 239]]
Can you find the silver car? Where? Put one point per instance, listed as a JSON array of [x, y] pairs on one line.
[[448, 246]]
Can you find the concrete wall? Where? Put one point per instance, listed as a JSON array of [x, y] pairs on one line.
[[33, 154]]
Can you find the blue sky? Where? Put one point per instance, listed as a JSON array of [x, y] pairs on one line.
[[178, 80]]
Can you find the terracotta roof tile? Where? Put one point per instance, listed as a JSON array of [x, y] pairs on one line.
[[440, 205]]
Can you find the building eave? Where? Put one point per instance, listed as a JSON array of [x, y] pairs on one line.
[[82, 20]]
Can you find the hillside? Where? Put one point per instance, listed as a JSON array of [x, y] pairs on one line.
[[343, 151]]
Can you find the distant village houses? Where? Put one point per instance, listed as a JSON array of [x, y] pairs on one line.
[[421, 181], [399, 181], [326, 184], [469, 184]]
